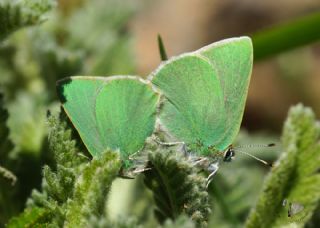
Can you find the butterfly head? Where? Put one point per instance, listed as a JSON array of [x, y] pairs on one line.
[[229, 154]]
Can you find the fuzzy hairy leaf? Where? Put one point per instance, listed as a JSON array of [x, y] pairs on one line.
[[103, 222], [100, 29], [91, 190], [19, 13], [177, 187], [32, 217], [58, 182], [8, 174], [5, 144], [295, 176], [27, 123], [182, 221], [74, 191], [63, 141]]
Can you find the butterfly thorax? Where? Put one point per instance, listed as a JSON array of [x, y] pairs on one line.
[[200, 149], [204, 156]]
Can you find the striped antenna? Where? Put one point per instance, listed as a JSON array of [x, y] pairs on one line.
[[255, 145], [254, 157]]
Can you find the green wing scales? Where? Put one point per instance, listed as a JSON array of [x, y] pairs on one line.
[[115, 112], [232, 59], [194, 100], [205, 92]]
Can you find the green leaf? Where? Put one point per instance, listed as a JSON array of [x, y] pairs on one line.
[[8, 204], [30, 218], [5, 144], [181, 222], [295, 177], [286, 36], [74, 191], [177, 187], [122, 222], [63, 141], [162, 50], [58, 182], [8, 175], [27, 121], [99, 30]]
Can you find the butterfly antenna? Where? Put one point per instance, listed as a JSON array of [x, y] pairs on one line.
[[255, 145], [254, 157]]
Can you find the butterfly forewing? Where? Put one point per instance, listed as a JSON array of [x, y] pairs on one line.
[[193, 106], [78, 95]]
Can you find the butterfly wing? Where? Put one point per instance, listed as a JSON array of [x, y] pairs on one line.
[[115, 113], [232, 59], [193, 106], [126, 113], [205, 92]]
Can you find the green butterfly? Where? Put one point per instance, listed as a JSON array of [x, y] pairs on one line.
[[204, 96], [117, 112]]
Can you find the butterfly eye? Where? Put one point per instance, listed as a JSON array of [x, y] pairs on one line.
[[229, 154]]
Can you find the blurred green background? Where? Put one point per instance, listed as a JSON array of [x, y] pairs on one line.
[[79, 37]]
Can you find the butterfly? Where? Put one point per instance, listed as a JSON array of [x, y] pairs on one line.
[[203, 97], [116, 112]]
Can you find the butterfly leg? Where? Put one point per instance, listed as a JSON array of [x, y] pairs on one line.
[[183, 148], [169, 143], [199, 161], [137, 171], [132, 174], [83, 156], [213, 168], [131, 157]]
